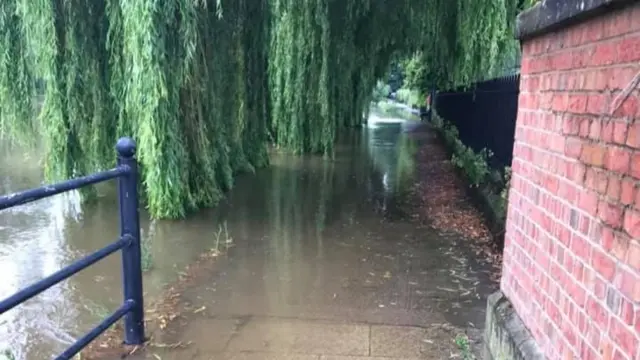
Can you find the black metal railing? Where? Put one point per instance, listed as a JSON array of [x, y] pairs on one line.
[[485, 115], [129, 242]]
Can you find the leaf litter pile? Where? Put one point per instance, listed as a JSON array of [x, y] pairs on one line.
[[439, 199]]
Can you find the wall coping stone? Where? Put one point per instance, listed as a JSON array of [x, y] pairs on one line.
[[551, 15]]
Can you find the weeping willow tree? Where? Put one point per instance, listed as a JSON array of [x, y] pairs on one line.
[[203, 85], [185, 78]]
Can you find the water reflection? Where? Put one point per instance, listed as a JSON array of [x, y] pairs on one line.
[[32, 247], [272, 206]]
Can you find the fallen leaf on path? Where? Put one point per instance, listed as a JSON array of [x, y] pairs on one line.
[[170, 346], [446, 289]]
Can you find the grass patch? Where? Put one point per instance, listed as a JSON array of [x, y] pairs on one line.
[[462, 341]]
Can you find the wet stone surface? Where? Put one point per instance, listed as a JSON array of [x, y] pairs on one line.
[[325, 264]]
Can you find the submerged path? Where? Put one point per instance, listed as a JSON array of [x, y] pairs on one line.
[[331, 261]]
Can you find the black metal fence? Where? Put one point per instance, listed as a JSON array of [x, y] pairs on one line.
[[132, 309], [485, 116]]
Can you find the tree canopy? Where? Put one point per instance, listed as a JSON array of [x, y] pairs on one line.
[[204, 85]]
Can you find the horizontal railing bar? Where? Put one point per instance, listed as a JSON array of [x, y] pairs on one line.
[[27, 196], [91, 335], [44, 284]]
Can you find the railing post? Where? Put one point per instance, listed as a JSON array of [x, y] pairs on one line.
[[131, 254]]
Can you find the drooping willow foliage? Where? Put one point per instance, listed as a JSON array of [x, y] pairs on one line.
[[203, 85], [185, 78], [326, 55], [469, 41]]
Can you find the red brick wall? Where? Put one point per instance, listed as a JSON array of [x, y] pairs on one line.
[[572, 246]]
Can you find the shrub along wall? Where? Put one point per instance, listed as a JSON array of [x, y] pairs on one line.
[[487, 186]]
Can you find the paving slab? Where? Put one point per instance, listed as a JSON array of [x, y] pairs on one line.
[[397, 341], [303, 337], [211, 335], [262, 356], [411, 342]]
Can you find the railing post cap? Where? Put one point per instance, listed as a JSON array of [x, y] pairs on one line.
[[126, 147]]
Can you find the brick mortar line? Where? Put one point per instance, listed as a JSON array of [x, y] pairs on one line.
[[629, 119], [585, 68], [622, 264], [594, 221], [579, 186], [576, 92], [571, 160], [565, 249], [559, 114], [580, 309], [541, 310], [560, 199], [588, 141], [577, 72], [579, 69], [545, 272], [593, 43], [544, 151]]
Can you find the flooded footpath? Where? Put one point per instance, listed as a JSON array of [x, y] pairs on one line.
[[338, 259]]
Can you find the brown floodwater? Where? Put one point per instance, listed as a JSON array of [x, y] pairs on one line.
[[295, 197]]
